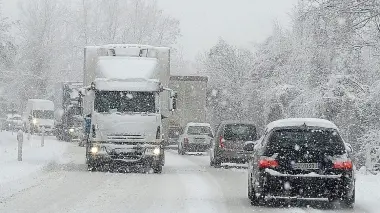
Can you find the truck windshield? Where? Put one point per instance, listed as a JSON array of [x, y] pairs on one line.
[[124, 101], [43, 114]]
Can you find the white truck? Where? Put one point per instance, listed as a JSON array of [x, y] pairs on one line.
[[39, 113], [191, 100], [128, 100]]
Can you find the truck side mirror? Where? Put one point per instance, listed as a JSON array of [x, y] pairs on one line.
[[173, 100]]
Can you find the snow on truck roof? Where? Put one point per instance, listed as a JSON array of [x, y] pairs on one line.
[[40, 101], [127, 67], [133, 84], [294, 122]]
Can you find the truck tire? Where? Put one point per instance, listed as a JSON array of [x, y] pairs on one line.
[[157, 169], [91, 168]]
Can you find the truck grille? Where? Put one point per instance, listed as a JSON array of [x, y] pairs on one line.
[[127, 155], [124, 137]]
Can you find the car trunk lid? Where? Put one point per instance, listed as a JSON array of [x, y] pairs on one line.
[[235, 136], [305, 151]]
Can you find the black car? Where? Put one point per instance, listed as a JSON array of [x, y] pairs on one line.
[[301, 159]]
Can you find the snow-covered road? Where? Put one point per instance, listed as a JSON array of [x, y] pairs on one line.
[[187, 184]]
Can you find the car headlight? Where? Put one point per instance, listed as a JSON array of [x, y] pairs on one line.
[[71, 130], [34, 121], [94, 149]]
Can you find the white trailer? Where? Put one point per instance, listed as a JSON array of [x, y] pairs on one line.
[[191, 100], [128, 99]]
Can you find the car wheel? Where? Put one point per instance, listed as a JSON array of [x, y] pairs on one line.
[[255, 200], [249, 189], [348, 202], [182, 151], [211, 162], [217, 163]]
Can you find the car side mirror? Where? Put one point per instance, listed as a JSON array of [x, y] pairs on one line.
[[249, 146], [348, 147]]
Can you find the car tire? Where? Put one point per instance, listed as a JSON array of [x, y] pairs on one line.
[[182, 151], [217, 163], [255, 201], [211, 162], [348, 202]]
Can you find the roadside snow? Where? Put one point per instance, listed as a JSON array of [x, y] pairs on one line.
[[35, 158], [367, 192]]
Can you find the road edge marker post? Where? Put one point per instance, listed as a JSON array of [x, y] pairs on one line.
[[43, 137], [20, 140]]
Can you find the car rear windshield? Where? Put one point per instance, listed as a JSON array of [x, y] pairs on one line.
[[246, 132], [174, 132], [285, 140], [199, 130]]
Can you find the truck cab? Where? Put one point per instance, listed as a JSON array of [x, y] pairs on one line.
[[128, 101]]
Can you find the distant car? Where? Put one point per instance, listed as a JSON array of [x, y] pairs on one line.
[[230, 141], [174, 133], [196, 137], [301, 159], [13, 122]]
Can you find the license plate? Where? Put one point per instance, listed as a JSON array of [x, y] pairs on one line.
[[199, 140], [306, 166]]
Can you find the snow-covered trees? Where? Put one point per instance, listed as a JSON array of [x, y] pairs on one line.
[[228, 68], [8, 51], [52, 34], [326, 66]]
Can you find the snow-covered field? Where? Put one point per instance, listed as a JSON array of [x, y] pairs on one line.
[[187, 184], [16, 175]]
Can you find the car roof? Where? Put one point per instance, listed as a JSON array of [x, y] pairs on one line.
[[236, 122], [298, 122], [198, 124]]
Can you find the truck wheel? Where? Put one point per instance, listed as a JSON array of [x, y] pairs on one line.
[[91, 168], [157, 169]]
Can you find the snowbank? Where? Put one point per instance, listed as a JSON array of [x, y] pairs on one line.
[[35, 157], [367, 192]]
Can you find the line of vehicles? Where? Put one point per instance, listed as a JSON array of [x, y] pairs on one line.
[[129, 108], [125, 109], [295, 159]]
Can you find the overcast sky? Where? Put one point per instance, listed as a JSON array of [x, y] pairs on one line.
[[241, 22]]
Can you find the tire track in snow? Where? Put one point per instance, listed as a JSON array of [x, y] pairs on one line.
[[202, 193]]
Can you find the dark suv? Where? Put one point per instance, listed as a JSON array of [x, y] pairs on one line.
[[301, 159], [230, 142]]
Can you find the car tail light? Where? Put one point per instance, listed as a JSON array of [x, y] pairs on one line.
[[186, 141], [267, 163], [221, 142], [343, 165]]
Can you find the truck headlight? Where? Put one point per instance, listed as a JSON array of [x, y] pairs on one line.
[[153, 151], [156, 151], [71, 130], [34, 121], [94, 150]]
